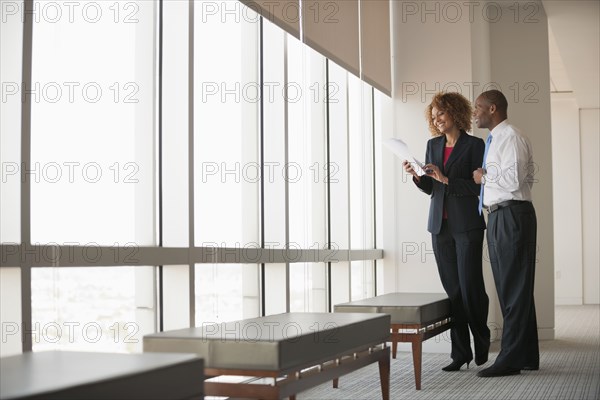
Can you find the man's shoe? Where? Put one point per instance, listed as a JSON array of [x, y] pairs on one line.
[[530, 368], [496, 370]]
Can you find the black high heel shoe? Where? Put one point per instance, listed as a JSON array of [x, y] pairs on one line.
[[481, 357], [455, 366], [479, 360]]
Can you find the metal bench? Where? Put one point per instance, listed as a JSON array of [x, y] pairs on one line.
[[415, 317], [80, 375], [281, 355]]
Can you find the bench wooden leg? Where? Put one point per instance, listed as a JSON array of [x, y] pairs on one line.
[[395, 341], [417, 352], [336, 382], [384, 377]]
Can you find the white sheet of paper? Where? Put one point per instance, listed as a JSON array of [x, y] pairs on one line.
[[400, 149]]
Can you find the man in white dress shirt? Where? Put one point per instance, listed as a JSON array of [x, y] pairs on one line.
[[506, 179]]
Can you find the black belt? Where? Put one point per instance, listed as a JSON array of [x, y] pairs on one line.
[[503, 204]]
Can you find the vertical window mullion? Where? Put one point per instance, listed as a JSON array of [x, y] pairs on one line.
[[261, 134], [191, 188], [328, 181], [26, 307]]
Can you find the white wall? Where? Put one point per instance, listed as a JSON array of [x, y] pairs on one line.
[[590, 128], [566, 174], [417, 77], [422, 68], [575, 147], [434, 51], [424, 64]]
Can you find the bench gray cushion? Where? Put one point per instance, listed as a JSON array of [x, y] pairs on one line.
[[275, 343], [81, 375], [404, 308]]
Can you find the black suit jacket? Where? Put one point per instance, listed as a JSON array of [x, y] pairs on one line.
[[461, 195]]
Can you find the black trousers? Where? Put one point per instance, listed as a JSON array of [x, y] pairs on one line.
[[512, 235], [458, 257]]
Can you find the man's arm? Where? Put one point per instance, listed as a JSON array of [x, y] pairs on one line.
[[509, 171]]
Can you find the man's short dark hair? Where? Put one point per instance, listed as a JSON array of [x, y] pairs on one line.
[[497, 98]]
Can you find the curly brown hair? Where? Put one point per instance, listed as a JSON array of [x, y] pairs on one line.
[[454, 104]]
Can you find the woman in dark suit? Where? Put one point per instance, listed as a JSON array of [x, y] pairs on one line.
[[455, 223]]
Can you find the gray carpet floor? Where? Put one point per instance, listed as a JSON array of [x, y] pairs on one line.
[[569, 369]]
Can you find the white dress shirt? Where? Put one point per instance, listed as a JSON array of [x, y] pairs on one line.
[[509, 166]]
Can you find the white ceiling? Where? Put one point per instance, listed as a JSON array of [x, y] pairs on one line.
[[575, 49]]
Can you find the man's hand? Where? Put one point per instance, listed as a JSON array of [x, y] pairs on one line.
[[477, 174]]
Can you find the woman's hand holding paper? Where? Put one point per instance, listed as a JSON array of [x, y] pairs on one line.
[[409, 169]]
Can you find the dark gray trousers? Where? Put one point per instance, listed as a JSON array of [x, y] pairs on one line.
[[458, 257], [511, 237]]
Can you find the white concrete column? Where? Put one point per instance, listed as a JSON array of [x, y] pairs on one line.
[[520, 66], [469, 48]]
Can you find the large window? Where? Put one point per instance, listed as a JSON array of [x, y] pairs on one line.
[[11, 45], [360, 105], [92, 138], [339, 183], [86, 309], [226, 159], [275, 155], [180, 174], [92, 172], [306, 169]]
